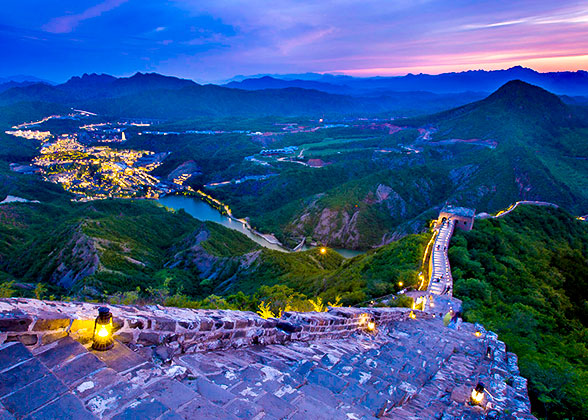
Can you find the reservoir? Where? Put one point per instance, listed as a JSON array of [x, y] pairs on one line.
[[203, 211]]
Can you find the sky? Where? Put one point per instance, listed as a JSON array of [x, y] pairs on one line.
[[212, 41]]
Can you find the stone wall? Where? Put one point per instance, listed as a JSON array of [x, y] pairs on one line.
[[35, 323]]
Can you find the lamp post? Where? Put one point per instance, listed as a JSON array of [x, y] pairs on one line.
[[102, 339]]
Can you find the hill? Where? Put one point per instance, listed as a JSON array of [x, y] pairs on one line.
[[525, 276]]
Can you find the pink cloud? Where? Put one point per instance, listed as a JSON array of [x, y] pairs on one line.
[[66, 24]]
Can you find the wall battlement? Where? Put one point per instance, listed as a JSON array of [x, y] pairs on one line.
[[35, 323]]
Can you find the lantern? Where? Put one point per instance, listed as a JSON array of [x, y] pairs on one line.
[[371, 326], [103, 330], [478, 334], [477, 394], [412, 315], [323, 250]]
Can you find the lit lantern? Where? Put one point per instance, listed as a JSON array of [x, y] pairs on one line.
[[371, 326], [103, 330], [478, 333], [412, 315], [477, 394], [400, 284], [323, 250]]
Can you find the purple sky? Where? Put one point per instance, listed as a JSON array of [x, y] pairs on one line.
[[215, 40]]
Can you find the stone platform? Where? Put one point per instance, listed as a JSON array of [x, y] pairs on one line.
[[408, 369]]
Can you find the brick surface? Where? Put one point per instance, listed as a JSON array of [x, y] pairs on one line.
[[144, 409], [120, 358], [78, 368], [67, 407], [20, 375], [60, 351], [34, 395], [171, 393], [13, 354]]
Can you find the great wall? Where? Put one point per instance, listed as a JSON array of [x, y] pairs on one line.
[[173, 363]]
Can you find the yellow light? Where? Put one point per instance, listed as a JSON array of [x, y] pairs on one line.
[[412, 315], [323, 250], [400, 284], [371, 326], [477, 394], [478, 334], [102, 339]]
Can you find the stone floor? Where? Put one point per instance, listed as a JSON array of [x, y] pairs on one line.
[[415, 371]]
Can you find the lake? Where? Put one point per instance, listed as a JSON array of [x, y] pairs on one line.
[[203, 211]]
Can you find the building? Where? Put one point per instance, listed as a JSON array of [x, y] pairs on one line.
[[463, 217]]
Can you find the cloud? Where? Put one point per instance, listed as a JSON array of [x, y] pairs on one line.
[[66, 24]]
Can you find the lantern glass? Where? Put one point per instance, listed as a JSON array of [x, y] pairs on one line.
[[371, 326], [102, 339], [477, 394]]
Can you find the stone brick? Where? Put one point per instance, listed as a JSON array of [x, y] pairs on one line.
[[26, 339], [13, 354], [149, 338], [67, 406], [326, 379], [136, 323], [60, 351], [49, 324], [124, 337], [164, 324], [200, 408], [243, 409], [15, 322], [78, 368], [95, 383], [144, 409], [50, 338], [211, 391], [33, 395], [274, 406], [20, 375], [120, 358], [171, 393], [108, 401]]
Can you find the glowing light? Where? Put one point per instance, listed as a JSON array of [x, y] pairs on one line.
[[371, 326], [323, 250], [102, 339], [412, 315], [400, 284], [477, 394], [478, 334]]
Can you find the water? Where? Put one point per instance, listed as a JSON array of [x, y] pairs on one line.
[[203, 211]]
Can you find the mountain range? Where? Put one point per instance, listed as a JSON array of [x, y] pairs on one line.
[[561, 83]]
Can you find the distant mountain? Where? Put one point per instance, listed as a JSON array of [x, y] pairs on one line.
[[21, 78], [268, 82], [561, 83], [156, 96]]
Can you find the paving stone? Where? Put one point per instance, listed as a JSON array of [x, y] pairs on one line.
[[326, 379], [59, 352], [171, 393], [275, 406], [120, 358], [5, 415], [66, 407], [19, 376], [13, 354], [110, 400], [95, 382], [243, 408], [202, 409], [34, 395], [78, 368], [144, 409], [308, 407], [171, 415], [211, 392]]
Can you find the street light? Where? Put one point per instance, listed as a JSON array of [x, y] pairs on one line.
[[102, 339]]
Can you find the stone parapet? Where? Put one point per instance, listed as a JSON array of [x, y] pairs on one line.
[[36, 323]]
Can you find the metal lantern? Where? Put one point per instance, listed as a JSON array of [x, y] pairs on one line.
[[477, 394], [371, 326], [102, 339]]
